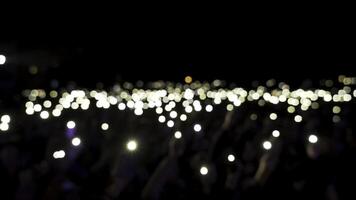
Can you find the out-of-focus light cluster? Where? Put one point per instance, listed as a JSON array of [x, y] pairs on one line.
[[5, 123], [176, 104], [59, 154]]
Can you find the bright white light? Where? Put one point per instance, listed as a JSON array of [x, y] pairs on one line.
[[231, 158], [131, 145], [4, 126], [5, 118], [159, 110], [76, 141], [298, 118], [47, 104], [313, 139], [173, 114], [204, 170], [178, 134], [59, 154], [2, 59], [273, 116], [162, 119], [209, 108], [170, 123], [188, 109], [183, 117], [121, 106], [138, 111], [56, 112], [197, 127], [29, 111], [267, 145], [44, 114], [71, 124], [275, 133], [104, 126], [37, 107]]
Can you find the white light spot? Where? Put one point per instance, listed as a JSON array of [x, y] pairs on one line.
[[2, 59], [44, 114], [59, 154], [71, 124], [204, 170], [273, 116], [76, 141], [298, 118], [231, 158], [183, 117], [267, 145], [173, 114], [131, 145], [170, 123], [121, 106], [197, 127], [29, 111], [275, 133], [4, 126], [162, 119], [5, 119], [209, 108], [138, 111], [178, 134], [104, 126], [313, 139]]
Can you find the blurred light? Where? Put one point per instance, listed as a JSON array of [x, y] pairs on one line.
[[2, 59], [178, 134], [298, 118], [131, 145], [121, 106], [275, 133], [188, 79], [197, 127], [5, 119], [209, 108], [253, 116], [138, 111], [47, 104], [336, 119], [33, 70], [170, 123], [204, 170], [37, 107], [56, 112], [291, 109], [183, 117], [267, 145], [59, 154], [104, 126], [273, 116], [231, 158], [29, 111], [4, 126], [159, 110], [70, 124], [44, 114], [336, 109], [162, 119], [173, 114], [313, 139], [53, 94], [188, 109], [229, 107], [76, 141]]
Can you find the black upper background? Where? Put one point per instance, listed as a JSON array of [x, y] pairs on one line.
[[88, 50]]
